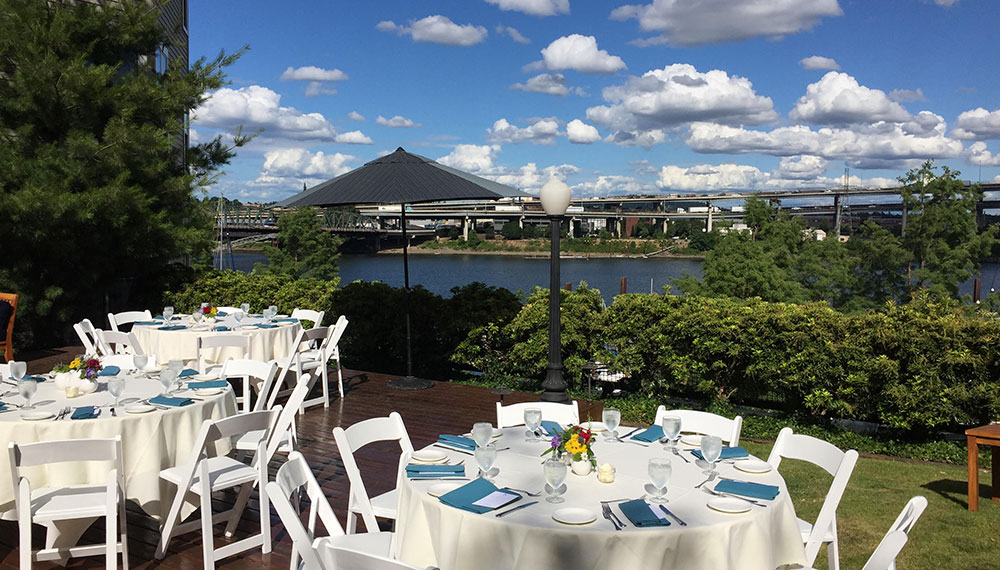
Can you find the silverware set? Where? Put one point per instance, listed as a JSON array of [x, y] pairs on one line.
[[712, 491], [62, 413], [611, 516]]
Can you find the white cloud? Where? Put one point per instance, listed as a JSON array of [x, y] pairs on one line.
[[300, 163], [805, 167], [513, 34], [579, 132], [695, 22], [355, 116], [482, 161], [978, 155], [471, 158], [437, 29], [708, 177], [978, 124], [316, 88], [548, 83], [838, 99], [534, 7], [354, 137], [946, 3], [542, 131], [675, 95], [644, 139], [612, 186], [907, 95], [396, 122], [259, 107], [312, 73], [580, 53], [530, 178], [818, 62]]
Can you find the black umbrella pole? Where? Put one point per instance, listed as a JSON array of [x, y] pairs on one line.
[[410, 382]]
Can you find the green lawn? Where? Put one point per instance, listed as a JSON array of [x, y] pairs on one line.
[[947, 536]]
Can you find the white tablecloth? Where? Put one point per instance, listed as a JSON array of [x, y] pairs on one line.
[[150, 442], [265, 344], [431, 533]]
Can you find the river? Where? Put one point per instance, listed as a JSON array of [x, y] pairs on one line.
[[439, 273]]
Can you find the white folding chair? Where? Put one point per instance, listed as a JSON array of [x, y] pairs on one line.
[[46, 505], [309, 315], [204, 475], [513, 414], [88, 336], [355, 437], [238, 342], [884, 556], [257, 376], [117, 342], [116, 320], [126, 362], [282, 436], [705, 423], [837, 463], [371, 550]]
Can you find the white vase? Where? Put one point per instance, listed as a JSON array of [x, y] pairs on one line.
[[64, 380], [582, 467], [87, 386]]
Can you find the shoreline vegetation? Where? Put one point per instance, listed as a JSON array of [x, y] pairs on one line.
[[629, 248]]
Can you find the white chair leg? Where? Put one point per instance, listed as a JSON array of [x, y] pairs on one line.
[[340, 380], [352, 522], [833, 555], [326, 386], [110, 542], [24, 540], [238, 506], [124, 534], [265, 510], [207, 536], [169, 524]]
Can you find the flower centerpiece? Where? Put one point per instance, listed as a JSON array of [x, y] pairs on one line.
[[576, 443], [208, 310], [85, 366], [79, 376]]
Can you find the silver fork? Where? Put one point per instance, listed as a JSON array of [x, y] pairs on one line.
[[712, 491], [606, 510], [710, 477], [528, 493]]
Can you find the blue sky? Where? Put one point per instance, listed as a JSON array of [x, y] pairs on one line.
[[656, 96]]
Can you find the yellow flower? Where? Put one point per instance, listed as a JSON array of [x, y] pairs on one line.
[[76, 363], [574, 446]]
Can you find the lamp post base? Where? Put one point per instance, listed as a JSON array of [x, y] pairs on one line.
[[411, 383], [554, 385]]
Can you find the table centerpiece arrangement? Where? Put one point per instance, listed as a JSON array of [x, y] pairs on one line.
[[79, 376], [575, 446]]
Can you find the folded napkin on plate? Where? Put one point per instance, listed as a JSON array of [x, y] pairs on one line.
[[171, 328], [639, 513], [727, 453], [35, 378], [285, 320], [414, 471], [747, 489], [221, 314], [552, 428], [654, 433], [207, 384], [265, 326], [109, 371], [186, 372], [146, 323], [464, 497], [457, 441], [222, 328], [86, 413], [168, 401]]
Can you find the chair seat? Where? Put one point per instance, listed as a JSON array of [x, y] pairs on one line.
[[251, 439], [84, 501], [806, 528], [384, 505], [223, 473], [370, 542]]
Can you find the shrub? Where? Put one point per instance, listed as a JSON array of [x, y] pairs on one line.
[[259, 289]]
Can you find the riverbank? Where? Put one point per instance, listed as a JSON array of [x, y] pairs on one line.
[[540, 255]]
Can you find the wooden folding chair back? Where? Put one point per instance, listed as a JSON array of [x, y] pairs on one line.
[[7, 342]]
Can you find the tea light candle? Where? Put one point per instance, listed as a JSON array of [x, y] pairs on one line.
[[606, 473]]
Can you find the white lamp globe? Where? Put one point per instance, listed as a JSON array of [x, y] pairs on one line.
[[555, 197]]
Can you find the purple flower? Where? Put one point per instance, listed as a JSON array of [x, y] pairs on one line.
[[555, 441]]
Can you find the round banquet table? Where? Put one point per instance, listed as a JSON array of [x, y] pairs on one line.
[[265, 343], [430, 533]]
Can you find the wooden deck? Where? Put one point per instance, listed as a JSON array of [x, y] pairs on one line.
[[445, 408]]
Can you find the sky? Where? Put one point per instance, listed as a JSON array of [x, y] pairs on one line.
[[614, 98]]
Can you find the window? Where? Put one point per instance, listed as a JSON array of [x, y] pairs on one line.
[[161, 59]]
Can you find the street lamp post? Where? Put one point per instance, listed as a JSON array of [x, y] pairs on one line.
[[555, 196]]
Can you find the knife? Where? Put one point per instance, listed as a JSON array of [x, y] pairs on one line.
[[676, 518], [517, 508], [631, 433], [448, 447]]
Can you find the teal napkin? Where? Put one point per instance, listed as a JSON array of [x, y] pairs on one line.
[[146, 323], [457, 441], [84, 413], [187, 372], [168, 401], [552, 428], [464, 496], [35, 378], [222, 328], [285, 320], [207, 384], [265, 326], [221, 314], [109, 371], [654, 433], [638, 512], [171, 328], [747, 489], [727, 453], [418, 471], [3, 406]]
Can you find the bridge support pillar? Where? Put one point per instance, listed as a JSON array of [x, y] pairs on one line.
[[664, 226], [520, 222], [465, 229], [708, 225], [619, 226], [838, 211]]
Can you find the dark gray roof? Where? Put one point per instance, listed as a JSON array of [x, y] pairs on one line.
[[399, 178]]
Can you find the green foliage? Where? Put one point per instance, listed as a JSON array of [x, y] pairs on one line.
[[511, 230], [95, 192], [304, 249], [231, 288]]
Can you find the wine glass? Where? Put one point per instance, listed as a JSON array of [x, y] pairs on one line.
[[659, 475], [116, 385], [245, 307], [140, 361], [711, 449], [481, 433], [176, 366], [238, 316], [671, 429], [274, 311], [18, 369], [167, 378], [197, 315], [26, 388], [611, 418], [532, 419], [486, 455], [555, 474], [168, 312]]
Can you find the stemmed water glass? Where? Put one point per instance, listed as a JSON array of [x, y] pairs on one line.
[[711, 449], [671, 429], [168, 313], [245, 307], [167, 378], [611, 418], [481, 433], [532, 419], [238, 316], [659, 475], [274, 311], [116, 385], [486, 455], [18, 369], [197, 315], [26, 388], [555, 474], [267, 314], [140, 361]]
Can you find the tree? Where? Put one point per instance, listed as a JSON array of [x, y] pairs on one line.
[[304, 248], [97, 196]]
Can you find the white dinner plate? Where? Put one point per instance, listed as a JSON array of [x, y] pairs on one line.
[[752, 466], [36, 416], [139, 408], [497, 433], [429, 456], [208, 391], [438, 489], [204, 377], [728, 505], [594, 426], [574, 515], [691, 439]]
